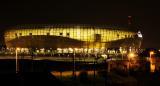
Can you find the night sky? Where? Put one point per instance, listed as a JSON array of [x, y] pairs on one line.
[[145, 15]]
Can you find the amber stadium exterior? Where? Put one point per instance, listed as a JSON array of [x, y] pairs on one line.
[[69, 38]]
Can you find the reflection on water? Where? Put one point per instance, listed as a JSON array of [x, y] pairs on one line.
[[70, 73], [94, 78], [152, 67], [80, 78], [152, 64]]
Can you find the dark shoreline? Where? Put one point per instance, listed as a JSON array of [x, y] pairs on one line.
[[37, 72]]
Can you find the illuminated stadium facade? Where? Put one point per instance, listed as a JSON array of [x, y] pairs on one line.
[[73, 38]]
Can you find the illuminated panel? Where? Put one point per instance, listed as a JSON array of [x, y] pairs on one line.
[[86, 34], [79, 34]]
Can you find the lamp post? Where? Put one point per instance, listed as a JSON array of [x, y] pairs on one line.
[[95, 61], [17, 66], [74, 75]]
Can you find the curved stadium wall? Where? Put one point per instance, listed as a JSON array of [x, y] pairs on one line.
[[69, 37]]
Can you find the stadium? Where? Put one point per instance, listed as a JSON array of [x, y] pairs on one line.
[[72, 38]]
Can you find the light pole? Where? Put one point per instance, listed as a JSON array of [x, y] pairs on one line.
[[151, 53], [17, 66], [95, 61], [74, 75]]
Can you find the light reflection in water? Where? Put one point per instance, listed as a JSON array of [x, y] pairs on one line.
[[152, 67], [152, 64], [70, 73]]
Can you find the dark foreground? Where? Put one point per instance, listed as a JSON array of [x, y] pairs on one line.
[[39, 73]]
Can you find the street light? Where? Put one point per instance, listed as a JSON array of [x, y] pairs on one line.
[[151, 53], [17, 49], [131, 55]]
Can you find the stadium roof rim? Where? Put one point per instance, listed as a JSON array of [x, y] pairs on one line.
[[101, 26]]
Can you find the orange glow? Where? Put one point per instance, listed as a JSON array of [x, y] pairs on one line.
[[70, 73], [18, 49], [152, 67], [131, 55], [152, 62], [151, 52]]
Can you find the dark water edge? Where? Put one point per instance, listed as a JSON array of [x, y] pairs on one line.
[[38, 72]]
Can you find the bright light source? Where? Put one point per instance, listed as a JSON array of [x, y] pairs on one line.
[[85, 49], [59, 49], [96, 49], [104, 56], [70, 49], [139, 34], [151, 52], [17, 48], [124, 52], [131, 55], [75, 49]]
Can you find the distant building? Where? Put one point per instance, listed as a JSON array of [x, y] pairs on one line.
[[69, 38]]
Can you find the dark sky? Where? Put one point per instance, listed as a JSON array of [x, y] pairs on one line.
[[145, 14]]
